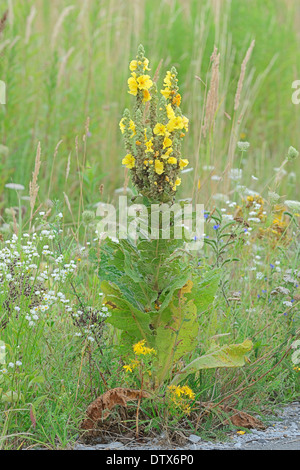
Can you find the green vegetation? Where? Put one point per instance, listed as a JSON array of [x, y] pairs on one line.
[[79, 315]]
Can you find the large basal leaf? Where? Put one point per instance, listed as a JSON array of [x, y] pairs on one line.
[[232, 355], [124, 316], [176, 334], [204, 290]]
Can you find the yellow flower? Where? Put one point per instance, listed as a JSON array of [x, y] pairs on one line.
[[133, 65], [149, 144], [170, 111], [177, 99], [146, 96], [175, 123], [166, 92], [144, 82], [159, 167], [185, 123], [167, 79], [241, 432], [177, 183], [129, 161], [183, 162], [145, 64], [188, 391], [140, 348], [122, 125], [168, 152], [167, 142], [159, 129], [128, 368], [133, 85], [132, 127], [172, 160]]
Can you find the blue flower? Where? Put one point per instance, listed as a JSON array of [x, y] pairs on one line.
[[216, 227]]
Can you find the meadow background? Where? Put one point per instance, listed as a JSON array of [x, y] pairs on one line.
[[65, 65], [64, 62]]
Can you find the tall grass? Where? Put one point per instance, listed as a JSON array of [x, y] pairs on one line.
[[64, 62]]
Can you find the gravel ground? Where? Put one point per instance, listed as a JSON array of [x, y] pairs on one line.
[[283, 433]]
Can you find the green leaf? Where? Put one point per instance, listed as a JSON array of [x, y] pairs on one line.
[[176, 335], [10, 397], [124, 315], [226, 356], [204, 290]]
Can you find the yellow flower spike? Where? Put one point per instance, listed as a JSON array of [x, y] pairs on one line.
[[159, 129], [183, 162], [129, 161], [144, 82], [159, 167]]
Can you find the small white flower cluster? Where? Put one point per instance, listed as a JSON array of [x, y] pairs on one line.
[[10, 365], [235, 174]]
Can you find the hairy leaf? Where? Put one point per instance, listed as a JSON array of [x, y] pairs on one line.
[[226, 356]]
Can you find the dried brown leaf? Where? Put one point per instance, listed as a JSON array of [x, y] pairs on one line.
[[99, 409]]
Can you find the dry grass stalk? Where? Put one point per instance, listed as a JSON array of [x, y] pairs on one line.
[[29, 22], [59, 23], [64, 61], [242, 76], [213, 93], [33, 185], [68, 167]]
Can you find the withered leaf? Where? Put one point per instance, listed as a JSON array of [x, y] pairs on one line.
[[99, 409]]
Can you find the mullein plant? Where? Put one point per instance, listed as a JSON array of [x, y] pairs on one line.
[[154, 289], [153, 133]]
